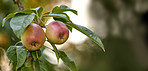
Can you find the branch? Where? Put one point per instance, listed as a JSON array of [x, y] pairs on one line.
[[19, 4]]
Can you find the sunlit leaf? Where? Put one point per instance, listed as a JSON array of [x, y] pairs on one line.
[[61, 9], [88, 33], [60, 16], [44, 64], [38, 10], [70, 64], [6, 18]]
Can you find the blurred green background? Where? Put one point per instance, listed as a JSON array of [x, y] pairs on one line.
[[121, 24]]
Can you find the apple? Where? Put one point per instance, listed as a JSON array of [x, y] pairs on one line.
[[57, 32], [33, 37]]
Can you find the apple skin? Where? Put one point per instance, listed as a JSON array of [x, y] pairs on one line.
[[57, 32], [33, 37]]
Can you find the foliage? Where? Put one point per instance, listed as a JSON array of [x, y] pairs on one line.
[[25, 60]]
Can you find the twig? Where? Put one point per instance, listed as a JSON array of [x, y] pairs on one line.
[[19, 4]]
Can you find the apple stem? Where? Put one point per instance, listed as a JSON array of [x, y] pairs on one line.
[[43, 26]]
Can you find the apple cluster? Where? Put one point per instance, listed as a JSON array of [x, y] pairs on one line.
[[34, 36]]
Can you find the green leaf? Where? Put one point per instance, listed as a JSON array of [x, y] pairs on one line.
[[28, 65], [26, 11], [6, 18], [88, 33], [39, 53], [44, 64], [14, 66], [56, 51], [55, 10], [26, 69], [70, 64], [11, 53], [38, 10], [62, 16], [37, 65], [61, 9], [19, 23], [42, 49], [21, 55], [70, 28], [17, 54], [28, 62], [36, 54], [65, 8]]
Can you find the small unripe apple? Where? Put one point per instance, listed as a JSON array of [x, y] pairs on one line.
[[57, 32], [33, 37]]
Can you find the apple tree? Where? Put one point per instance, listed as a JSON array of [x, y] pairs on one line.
[[27, 25]]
